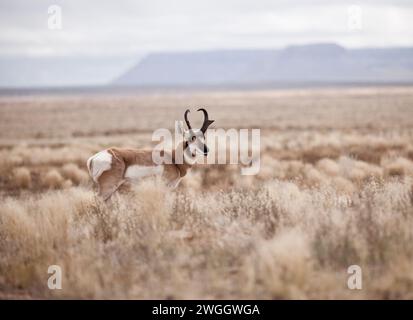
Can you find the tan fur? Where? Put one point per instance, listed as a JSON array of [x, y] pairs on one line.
[[122, 158]]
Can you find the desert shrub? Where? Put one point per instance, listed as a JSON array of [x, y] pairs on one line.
[[52, 179], [399, 167], [328, 166], [283, 265], [22, 177], [74, 173]]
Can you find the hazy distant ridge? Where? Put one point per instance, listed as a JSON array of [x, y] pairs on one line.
[[317, 63]]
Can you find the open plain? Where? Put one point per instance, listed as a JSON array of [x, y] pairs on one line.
[[334, 190]]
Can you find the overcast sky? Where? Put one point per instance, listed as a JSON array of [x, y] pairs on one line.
[[128, 29]]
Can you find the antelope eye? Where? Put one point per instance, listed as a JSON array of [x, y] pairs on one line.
[[193, 138]]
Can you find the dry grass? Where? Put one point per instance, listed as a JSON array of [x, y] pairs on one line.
[[335, 189], [52, 179], [76, 175], [22, 178]]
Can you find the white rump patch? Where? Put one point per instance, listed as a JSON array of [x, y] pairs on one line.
[[136, 171], [97, 164]]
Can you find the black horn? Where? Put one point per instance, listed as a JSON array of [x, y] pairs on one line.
[[186, 119], [207, 122]]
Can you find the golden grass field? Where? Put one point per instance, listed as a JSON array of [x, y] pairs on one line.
[[334, 190]]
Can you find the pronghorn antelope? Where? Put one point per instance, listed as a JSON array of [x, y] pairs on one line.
[[112, 167]]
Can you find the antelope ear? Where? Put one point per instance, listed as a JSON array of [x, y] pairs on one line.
[[179, 127]]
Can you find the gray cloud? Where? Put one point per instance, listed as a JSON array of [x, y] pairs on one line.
[[119, 27], [130, 28]]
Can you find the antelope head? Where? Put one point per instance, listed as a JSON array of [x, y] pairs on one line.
[[194, 139]]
